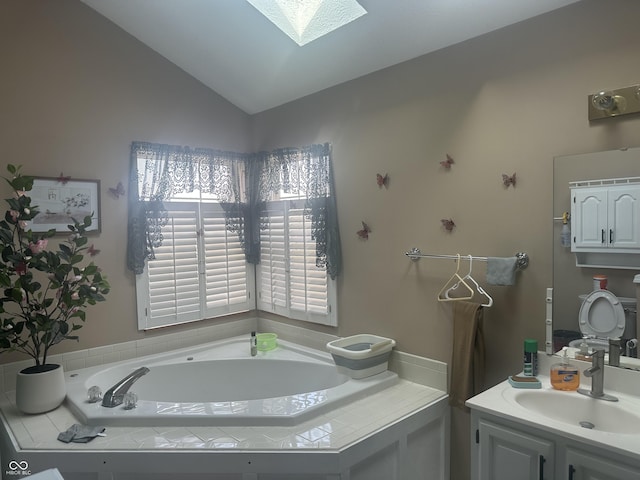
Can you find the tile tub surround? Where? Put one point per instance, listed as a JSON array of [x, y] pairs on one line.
[[422, 386], [416, 369]]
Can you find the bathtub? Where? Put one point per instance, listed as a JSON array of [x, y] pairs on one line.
[[221, 384]]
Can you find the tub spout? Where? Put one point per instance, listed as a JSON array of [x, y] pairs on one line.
[[115, 395]]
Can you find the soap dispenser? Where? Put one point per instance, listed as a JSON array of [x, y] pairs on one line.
[[564, 375]]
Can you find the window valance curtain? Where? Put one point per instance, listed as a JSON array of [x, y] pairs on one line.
[[307, 173], [159, 172], [242, 183]]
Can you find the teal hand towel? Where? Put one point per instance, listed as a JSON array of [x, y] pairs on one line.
[[501, 271]]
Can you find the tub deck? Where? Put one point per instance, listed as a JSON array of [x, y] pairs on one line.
[[334, 430], [399, 433]]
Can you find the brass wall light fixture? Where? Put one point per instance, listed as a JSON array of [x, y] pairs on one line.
[[612, 103]]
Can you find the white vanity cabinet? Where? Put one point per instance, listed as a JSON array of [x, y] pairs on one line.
[[605, 216], [508, 450], [581, 465], [510, 454]]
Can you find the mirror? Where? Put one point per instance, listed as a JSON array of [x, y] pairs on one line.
[[570, 281]]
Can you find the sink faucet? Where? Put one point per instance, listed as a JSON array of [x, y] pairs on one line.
[[596, 373], [115, 395]]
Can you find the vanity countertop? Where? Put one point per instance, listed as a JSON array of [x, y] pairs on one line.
[[620, 420]]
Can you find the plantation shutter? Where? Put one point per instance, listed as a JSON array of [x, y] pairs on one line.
[[198, 272], [226, 270], [308, 282], [289, 282], [272, 271], [173, 285]]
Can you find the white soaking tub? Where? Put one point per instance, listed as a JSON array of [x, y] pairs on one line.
[[379, 428], [222, 384]]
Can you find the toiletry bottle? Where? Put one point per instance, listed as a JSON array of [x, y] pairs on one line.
[[565, 233], [254, 344], [583, 350], [530, 358], [564, 376]]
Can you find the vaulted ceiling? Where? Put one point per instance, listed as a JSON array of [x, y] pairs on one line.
[[234, 50]]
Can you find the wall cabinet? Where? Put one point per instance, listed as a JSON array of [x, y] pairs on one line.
[[605, 218], [503, 449]]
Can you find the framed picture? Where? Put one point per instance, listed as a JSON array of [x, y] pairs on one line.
[[59, 202]]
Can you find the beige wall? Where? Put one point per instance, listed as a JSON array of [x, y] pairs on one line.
[[76, 91], [507, 102]]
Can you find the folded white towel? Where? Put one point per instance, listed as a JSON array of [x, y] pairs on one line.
[[501, 271]]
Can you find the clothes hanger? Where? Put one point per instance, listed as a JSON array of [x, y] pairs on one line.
[[443, 295], [481, 291]]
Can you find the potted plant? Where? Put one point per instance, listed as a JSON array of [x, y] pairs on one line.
[[43, 294]]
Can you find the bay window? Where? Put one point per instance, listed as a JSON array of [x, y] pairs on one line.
[[213, 233]]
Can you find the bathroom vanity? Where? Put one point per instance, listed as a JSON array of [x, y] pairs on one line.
[[545, 434]]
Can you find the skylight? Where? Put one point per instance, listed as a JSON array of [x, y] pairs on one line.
[[306, 20]]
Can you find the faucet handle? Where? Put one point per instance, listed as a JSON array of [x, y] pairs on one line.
[[596, 356], [596, 352]]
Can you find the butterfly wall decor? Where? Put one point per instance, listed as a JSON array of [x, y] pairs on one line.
[[448, 224], [364, 233], [93, 251], [448, 162], [118, 191], [382, 181], [509, 180], [63, 179]]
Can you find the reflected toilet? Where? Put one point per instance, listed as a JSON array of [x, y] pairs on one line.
[[603, 315]]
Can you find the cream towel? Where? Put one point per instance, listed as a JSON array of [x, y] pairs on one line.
[[467, 360]]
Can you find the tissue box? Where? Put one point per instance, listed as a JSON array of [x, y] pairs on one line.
[[361, 356]]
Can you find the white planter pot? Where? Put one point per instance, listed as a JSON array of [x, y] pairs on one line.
[[40, 391]]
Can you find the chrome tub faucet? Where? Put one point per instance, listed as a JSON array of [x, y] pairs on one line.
[[115, 395]]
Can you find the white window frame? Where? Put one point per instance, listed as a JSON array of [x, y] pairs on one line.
[[278, 299], [147, 321]]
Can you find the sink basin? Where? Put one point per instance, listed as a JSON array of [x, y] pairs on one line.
[[575, 409]]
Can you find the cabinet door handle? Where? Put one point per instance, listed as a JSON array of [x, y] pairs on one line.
[[541, 467], [571, 472], [611, 235], [603, 237]]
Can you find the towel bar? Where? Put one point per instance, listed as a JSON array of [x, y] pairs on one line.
[[415, 254]]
